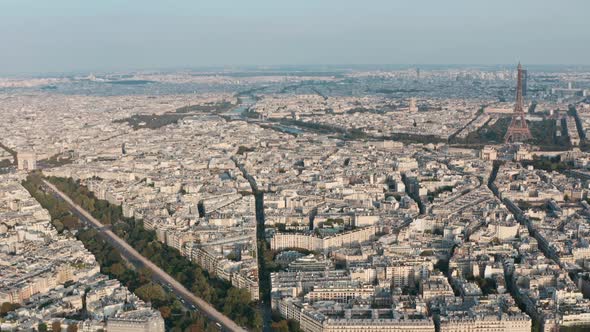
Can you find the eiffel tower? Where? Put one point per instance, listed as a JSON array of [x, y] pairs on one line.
[[518, 130]]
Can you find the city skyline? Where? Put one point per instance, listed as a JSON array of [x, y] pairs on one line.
[[305, 166]]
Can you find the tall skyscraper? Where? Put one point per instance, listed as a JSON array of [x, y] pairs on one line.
[[518, 130]]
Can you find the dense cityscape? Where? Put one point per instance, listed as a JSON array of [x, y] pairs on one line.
[[393, 198]]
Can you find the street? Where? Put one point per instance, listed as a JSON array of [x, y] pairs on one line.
[[136, 258]]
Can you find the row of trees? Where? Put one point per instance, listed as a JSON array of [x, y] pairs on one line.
[[113, 265], [9, 150], [233, 302], [140, 283], [61, 217], [102, 210]]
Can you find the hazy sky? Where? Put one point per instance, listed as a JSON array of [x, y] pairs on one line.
[[92, 35]]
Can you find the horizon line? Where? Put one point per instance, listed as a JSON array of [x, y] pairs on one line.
[[265, 67]]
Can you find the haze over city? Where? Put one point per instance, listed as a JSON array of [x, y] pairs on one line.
[[303, 166], [68, 35]]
